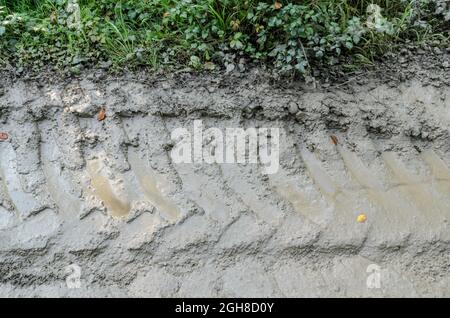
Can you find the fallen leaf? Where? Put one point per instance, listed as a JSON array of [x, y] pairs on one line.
[[278, 5], [3, 136], [235, 25], [53, 16], [101, 115], [334, 139], [361, 218], [166, 14], [209, 66]]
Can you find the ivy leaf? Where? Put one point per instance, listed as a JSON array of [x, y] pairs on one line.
[[236, 44]]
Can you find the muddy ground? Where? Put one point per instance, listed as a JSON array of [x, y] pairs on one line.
[[105, 200]]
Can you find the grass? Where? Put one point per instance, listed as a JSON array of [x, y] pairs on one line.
[[291, 38]]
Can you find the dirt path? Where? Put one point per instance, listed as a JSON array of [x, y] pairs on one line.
[[107, 196]]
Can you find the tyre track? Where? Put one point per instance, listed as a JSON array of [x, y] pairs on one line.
[[108, 194]]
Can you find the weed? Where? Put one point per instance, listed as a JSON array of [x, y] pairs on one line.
[[292, 36]]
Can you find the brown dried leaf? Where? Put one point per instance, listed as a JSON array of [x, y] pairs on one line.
[[277, 5], [101, 115], [334, 139], [3, 136]]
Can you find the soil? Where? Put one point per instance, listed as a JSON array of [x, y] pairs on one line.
[[365, 213]]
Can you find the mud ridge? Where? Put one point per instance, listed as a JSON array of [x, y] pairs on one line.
[[107, 196]]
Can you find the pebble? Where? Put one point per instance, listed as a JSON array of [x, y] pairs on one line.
[[293, 108], [437, 51]]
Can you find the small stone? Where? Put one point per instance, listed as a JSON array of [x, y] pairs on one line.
[[105, 65], [230, 68], [436, 42], [293, 108], [437, 51], [77, 60]]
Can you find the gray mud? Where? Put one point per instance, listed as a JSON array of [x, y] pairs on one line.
[[106, 196]]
